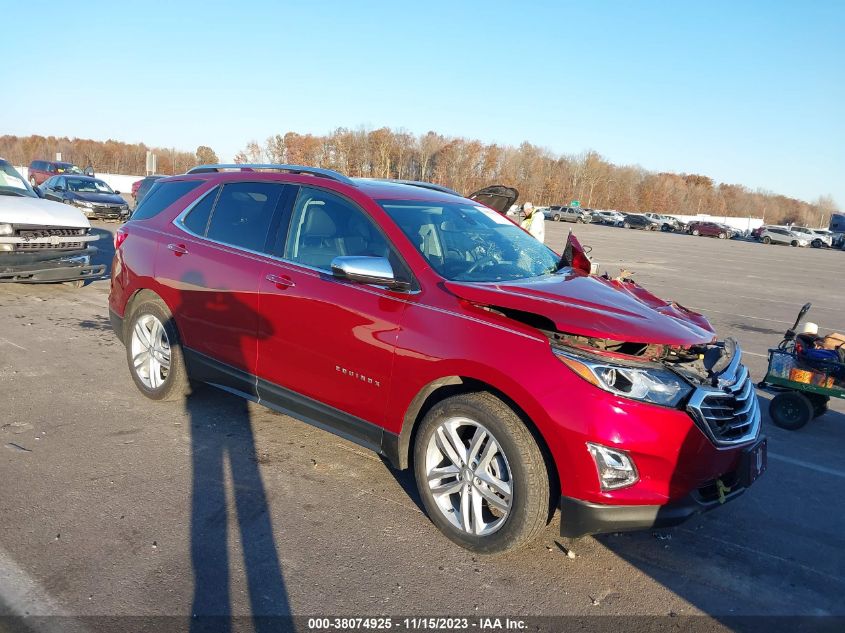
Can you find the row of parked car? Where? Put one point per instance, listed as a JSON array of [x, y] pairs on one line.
[[768, 234]]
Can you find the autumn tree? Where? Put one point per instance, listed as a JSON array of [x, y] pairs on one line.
[[206, 156]]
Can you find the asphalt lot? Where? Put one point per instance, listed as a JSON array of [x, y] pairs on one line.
[[115, 505]]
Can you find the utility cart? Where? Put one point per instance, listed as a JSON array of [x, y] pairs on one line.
[[803, 379]]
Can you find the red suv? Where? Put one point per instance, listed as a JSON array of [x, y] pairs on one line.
[[710, 229], [433, 330], [41, 170]]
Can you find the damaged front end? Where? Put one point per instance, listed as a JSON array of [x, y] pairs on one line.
[[624, 340], [47, 254]]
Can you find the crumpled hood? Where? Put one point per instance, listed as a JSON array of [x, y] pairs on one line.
[[39, 212], [596, 307]]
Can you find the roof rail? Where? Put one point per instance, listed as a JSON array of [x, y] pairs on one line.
[[294, 169], [417, 183]]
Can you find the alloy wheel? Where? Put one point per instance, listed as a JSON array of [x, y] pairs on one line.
[[468, 476], [150, 348]]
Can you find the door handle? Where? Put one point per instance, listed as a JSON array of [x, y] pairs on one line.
[[178, 249], [280, 281]]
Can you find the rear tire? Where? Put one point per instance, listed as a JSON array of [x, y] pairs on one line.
[[791, 410], [493, 494], [32, 182], [626, 225], [154, 352]]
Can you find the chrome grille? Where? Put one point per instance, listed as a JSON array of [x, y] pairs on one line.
[[728, 413], [33, 233], [39, 246]]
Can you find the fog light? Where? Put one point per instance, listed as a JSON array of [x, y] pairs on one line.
[[615, 468], [7, 247]]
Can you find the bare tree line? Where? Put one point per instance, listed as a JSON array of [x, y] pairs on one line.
[[107, 157], [462, 164], [540, 175]]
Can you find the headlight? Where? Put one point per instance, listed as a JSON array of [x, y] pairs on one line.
[[6, 229], [124, 207], [649, 384], [82, 203]]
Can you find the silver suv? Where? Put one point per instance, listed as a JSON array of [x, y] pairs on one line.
[[570, 214], [781, 235]]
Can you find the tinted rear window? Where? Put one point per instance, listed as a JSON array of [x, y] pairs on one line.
[[162, 195], [243, 213]]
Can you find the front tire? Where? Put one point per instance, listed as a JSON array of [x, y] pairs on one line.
[[626, 225], [817, 243], [794, 243], [695, 232], [154, 352], [766, 239], [722, 236], [481, 474]]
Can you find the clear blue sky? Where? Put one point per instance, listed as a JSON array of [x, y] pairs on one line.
[[745, 92]]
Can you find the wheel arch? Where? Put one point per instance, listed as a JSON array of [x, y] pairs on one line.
[[399, 448]]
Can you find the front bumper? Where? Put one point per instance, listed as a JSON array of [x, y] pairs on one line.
[[103, 214], [580, 518], [66, 268]]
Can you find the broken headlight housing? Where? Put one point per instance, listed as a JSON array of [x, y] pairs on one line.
[[648, 384]]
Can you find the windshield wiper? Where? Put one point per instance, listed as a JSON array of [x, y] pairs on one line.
[[12, 192]]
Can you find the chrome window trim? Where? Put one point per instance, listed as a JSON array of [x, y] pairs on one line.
[[312, 271]]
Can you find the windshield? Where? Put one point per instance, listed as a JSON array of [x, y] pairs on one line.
[[86, 185], [67, 168], [464, 242], [12, 183]]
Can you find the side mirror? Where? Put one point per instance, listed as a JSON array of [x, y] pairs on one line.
[[58, 188], [367, 270], [117, 192]]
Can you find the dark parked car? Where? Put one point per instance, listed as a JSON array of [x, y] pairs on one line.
[[41, 170], [92, 196], [711, 229], [140, 188], [635, 221], [406, 318]]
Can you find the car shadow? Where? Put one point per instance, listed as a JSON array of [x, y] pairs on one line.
[[770, 560]]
